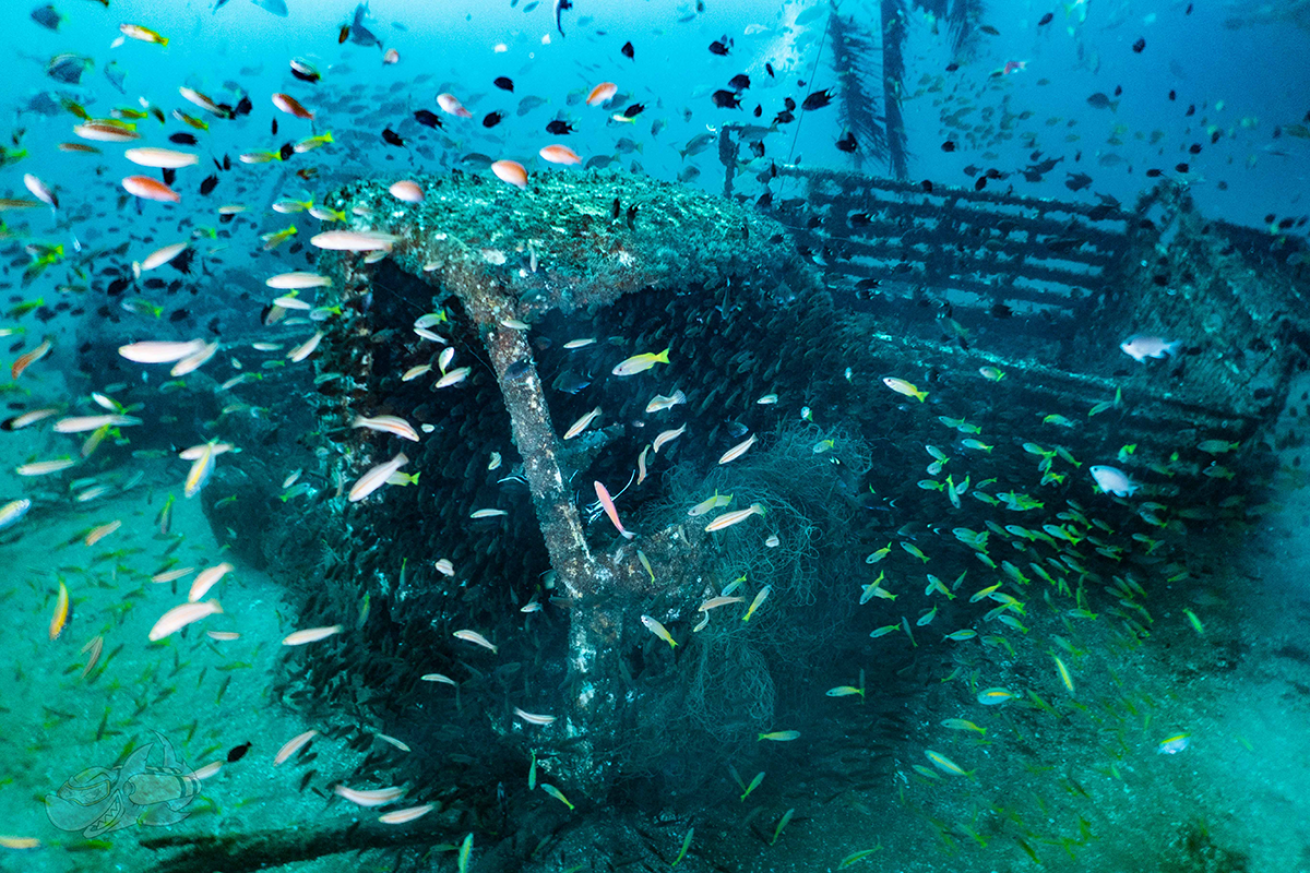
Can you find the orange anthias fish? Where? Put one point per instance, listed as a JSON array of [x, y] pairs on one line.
[[608, 503], [450, 104], [291, 106], [150, 189], [602, 92], [559, 154], [27, 360], [512, 172]]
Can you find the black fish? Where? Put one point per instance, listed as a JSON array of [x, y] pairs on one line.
[[615, 208], [1100, 101], [720, 46], [948, 146], [847, 143], [634, 110], [759, 110], [68, 68], [178, 315], [427, 118], [926, 185], [359, 34], [559, 128], [244, 106], [1046, 19], [1034, 172], [951, 68], [739, 82], [783, 118], [768, 68], [560, 6], [491, 119], [170, 176], [392, 138], [989, 30], [44, 104], [312, 78], [757, 148], [47, 17], [274, 128], [725, 99], [504, 83], [571, 382], [210, 183], [238, 752], [1139, 45], [860, 219], [182, 139], [628, 51], [817, 100], [980, 184], [789, 103], [286, 151], [1077, 182]]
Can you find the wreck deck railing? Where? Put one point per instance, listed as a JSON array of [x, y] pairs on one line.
[[1051, 288]]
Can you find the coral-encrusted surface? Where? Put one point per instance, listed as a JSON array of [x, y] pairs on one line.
[[595, 237]]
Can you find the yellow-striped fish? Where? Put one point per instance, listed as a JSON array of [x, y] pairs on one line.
[[946, 765], [758, 601], [1065, 676], [779, 736], [728, 519], [659, 630], [710, 503]]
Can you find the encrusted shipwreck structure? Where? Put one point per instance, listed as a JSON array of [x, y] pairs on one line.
[[497, 264], [783, 328], [541, 292]]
